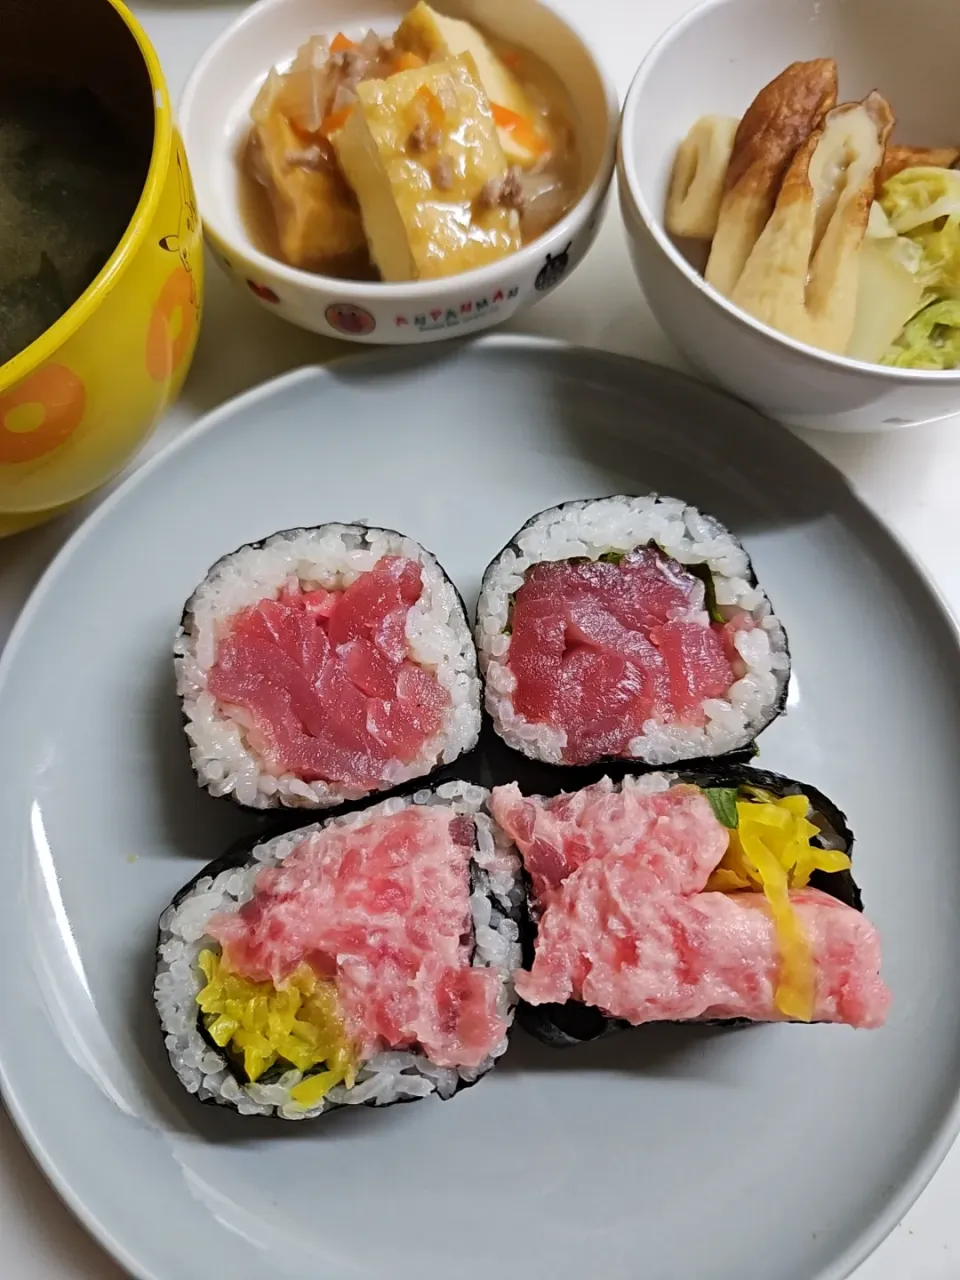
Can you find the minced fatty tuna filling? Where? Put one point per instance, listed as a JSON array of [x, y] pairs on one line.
[[682, 903], [364, 932]]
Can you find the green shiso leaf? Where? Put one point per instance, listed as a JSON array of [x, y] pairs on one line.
[[612, 557], [710, 591], [931, 340], [723, 801]]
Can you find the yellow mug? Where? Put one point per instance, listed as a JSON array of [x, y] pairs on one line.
[[79, 402]]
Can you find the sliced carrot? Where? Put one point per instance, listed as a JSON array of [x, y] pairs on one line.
[[334, 121], [309, 136], [521, 128], [504, 118], [305, 135], [434, 107], [341, 43], [407, 61]]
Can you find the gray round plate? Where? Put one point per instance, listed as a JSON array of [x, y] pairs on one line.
[[699, 1154]]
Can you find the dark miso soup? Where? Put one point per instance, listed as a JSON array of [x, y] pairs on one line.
[[70, 180]]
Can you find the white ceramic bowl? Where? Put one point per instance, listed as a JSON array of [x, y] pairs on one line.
[[716, 59], [214, 116]]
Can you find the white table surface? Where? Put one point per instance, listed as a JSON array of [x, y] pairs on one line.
[[908, 477]]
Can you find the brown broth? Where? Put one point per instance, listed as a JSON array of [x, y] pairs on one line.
[[552, 104], [255, 208], [551, 100]]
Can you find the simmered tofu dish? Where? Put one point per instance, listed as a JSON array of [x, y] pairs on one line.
[[422, 154]]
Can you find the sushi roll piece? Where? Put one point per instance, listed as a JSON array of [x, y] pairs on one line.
[[628, 629], [323, 665], [363, 959], [704, 897]]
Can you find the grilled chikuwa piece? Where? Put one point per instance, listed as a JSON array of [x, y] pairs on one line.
[[803, 273], [777, 123], [697, 181]]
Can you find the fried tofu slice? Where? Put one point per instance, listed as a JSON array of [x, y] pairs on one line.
[[421, 152], [898, 158], [435, 37], [699, 171], [802, 277], [776, 124], [317, 218]]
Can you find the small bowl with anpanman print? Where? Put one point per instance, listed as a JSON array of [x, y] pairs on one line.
[[390, 174]]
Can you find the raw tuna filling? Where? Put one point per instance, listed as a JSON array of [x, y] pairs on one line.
[[382, 910], [599, 648], [625, 924], [321, 681]]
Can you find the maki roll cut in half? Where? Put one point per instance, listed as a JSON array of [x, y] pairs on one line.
[[366, 959], [323, 665], [628, 629], [679, 898]]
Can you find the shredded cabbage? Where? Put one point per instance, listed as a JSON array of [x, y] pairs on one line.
[[940, 265], [931, 340], [915, 197], [901, 249], [922, 206], [878, 224]]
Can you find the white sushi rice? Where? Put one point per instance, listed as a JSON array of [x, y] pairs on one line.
[[391, 1076], [591, 528], [332, 556]]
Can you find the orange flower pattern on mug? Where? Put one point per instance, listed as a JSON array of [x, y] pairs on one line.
[[172, 325], [40, 413]]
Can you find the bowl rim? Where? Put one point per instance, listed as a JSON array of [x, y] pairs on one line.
[[411, 290], [77, 314], [632, 194]]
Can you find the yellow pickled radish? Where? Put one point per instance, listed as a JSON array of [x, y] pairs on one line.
[[298, 1023], [794, 996], [770, 850]]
